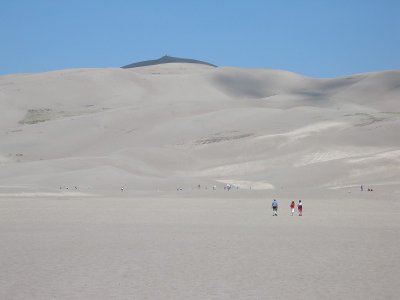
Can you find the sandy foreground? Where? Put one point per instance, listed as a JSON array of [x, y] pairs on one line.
[[198, 245]]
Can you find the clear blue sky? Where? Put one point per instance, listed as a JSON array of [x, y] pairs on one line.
[[321, 38]]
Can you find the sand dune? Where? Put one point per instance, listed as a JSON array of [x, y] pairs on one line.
[[70, 139], [154, 125]]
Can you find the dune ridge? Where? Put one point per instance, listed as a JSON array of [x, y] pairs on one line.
[[182, 124]]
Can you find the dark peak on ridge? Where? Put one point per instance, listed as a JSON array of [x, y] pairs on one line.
[[166, 60]]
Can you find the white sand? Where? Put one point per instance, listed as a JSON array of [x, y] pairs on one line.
[[71, 139], [162, 127], [198, 245]]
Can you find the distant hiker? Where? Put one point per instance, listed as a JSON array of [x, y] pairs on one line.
[[292, 205], [274, 207], [300, 208], [228, 186], [214, 187], [199, 186], [122, 189], [362, 188]]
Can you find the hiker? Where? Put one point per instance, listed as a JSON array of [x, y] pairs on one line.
[[300, 208], [274, 208], [292, 208]]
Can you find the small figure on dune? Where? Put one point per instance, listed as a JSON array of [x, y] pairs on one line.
[[300, 208], [362, 188], [274, 207], [122, 189], [292, 205]]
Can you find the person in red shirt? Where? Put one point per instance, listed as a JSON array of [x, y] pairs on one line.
[[292, 208]]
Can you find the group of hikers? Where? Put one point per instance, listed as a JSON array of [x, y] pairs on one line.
[[292, 208]]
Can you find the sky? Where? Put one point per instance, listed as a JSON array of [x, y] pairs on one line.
[[315, 38]]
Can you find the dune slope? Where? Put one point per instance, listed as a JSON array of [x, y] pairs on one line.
[[179, 125]]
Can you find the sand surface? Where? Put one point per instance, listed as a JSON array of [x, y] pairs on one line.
[[198, 245], [178, 125], [71, 139]]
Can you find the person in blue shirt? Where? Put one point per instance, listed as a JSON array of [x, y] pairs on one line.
[[300, 208], [274, 208]]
